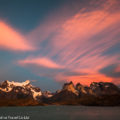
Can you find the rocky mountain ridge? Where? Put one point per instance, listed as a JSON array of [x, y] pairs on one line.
[[98, 93]]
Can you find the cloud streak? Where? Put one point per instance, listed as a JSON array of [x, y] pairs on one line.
[[10, 39], [44, 62]]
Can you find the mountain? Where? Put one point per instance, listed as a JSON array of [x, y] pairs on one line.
[[70, 87], [83, 90], [65, 95], [16, 91], [23, 94], [98, 88], [104, 88], [47, 94], [97, 94]]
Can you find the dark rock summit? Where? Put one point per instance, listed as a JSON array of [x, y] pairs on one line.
[[104, 88]]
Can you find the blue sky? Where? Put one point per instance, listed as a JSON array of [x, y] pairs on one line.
[[50, 42]]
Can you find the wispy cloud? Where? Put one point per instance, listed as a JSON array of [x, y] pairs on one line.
[[78, 42], [12, 40], [45, 62]]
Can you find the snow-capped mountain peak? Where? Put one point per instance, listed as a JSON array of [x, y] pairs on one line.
[[22, 88]]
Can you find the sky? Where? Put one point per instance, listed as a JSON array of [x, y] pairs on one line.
[[50, 42]]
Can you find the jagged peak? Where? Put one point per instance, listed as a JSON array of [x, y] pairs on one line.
[[67, 85], [78, 85], [104, 84], [70, 87]]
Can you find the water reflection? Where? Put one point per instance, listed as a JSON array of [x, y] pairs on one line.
[[64, 112]]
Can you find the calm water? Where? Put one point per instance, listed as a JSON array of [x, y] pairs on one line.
[[63, 112]]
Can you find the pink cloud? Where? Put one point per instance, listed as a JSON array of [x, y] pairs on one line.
[[45, 62], [117, 68], [78, 42], [10, 39]]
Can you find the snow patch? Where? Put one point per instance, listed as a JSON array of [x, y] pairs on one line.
[[36, 94], [18, 83]]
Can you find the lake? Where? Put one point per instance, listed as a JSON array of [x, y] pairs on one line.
[[60, 113]]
